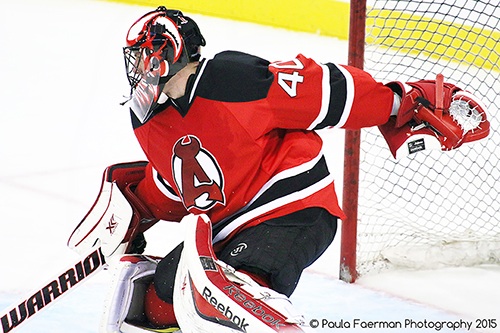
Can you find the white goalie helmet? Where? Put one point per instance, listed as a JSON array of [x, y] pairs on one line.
[[158, 45]]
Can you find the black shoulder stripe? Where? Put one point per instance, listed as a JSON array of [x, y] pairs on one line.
[[338, 97]]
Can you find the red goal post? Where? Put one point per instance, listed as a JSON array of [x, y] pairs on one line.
[[431, 209]]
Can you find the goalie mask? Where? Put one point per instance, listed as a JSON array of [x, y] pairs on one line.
[[159, 44]]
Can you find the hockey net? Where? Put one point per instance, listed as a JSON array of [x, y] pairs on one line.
[[431, 209]]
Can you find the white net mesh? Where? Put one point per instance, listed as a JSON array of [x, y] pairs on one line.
[[469, 118], [418, 210]]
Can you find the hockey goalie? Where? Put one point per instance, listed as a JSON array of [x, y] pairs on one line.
[[235, 168]]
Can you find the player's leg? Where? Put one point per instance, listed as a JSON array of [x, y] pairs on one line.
[[127, 305], [160, 295], [133, 304], [211, 296], [145, 289], [268, 258]]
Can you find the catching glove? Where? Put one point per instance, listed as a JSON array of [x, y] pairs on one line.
[[434, 115]]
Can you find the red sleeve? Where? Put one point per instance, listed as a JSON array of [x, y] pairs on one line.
[[159, 197], [371, 101], [308, 95]]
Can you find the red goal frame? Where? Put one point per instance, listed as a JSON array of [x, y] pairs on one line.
[[352, 152]]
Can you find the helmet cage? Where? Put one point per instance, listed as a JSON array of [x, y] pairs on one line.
[[156, 51], [139, 60], [132, 57]]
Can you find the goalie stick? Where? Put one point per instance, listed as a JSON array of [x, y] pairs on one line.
[[52, 290], [104, 232]]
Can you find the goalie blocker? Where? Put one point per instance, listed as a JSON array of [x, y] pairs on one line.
[[114, 220], [433, 115]]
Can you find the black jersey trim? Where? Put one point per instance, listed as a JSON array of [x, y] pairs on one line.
[[167, 187], [280, 189], [164, 187], [338, 97]]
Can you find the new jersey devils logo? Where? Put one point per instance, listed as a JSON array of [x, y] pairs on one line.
[[197, 174]]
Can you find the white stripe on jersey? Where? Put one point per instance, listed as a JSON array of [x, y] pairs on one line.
[[349, 98], [282, 201], [325, 97], [287, 174], [295, 196], [197, 80]]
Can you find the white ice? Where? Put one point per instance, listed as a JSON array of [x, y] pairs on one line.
[[62, 79]]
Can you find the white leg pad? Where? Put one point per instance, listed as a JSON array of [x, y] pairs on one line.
[[210, 296], [124, 304]]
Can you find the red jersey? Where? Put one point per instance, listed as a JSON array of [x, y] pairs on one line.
[[240, 145]]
